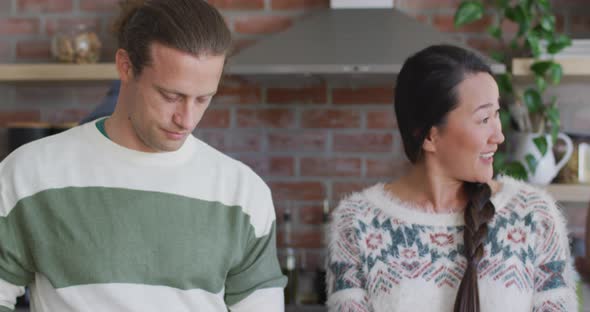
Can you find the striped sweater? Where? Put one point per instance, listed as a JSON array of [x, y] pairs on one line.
[[92, 226], [387, 255]]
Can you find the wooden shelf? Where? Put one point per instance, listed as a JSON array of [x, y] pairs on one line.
[[579, 193], [58, 72], [575, 66]]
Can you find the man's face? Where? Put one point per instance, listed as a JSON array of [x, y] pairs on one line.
[[168, 99]]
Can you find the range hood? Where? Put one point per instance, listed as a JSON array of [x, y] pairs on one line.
[[342, 41]]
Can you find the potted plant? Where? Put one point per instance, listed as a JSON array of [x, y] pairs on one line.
[[526, 117]]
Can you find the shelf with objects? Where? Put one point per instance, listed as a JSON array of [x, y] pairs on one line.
[[578, 66], [58, 72]]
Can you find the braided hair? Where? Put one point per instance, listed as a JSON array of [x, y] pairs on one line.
[[426, 91]]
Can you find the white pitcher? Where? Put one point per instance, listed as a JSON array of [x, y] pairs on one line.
[[547, 168]]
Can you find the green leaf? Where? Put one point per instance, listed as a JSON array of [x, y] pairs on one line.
[[556, 72], [468, 12], [559, 43], [541, 67], [552, 113], [534, 45], [502, 4], [531, 162], [498, 56], [505, 83], [533, 101], [541, 144], [548, 22], [541, 83], [516, 170], [499, 161], [504, 118], [514, 45], [495, 31], [544, 5]]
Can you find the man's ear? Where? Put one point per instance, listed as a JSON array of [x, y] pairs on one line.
[[431, 140], [124, 66]]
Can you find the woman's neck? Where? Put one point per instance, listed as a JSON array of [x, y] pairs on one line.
[[434, 192]]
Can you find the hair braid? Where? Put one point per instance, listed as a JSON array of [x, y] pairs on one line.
[[478, 212]]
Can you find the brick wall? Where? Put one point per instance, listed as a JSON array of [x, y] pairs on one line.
[[310, 139]]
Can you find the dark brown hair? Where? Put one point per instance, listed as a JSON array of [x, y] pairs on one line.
[[426, 91], [192, 26]]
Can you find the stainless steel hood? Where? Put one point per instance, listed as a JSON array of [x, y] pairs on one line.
[[342, 41]]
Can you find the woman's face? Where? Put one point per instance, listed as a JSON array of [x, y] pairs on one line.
[[464, 146]]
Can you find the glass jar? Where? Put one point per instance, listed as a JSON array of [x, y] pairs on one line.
[[79, 44]]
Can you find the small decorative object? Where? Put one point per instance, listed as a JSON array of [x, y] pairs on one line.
[[79, 45]]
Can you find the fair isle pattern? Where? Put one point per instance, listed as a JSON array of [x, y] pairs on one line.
[[374, 250]]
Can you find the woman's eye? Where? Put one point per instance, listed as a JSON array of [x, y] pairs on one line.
[[485, 120]]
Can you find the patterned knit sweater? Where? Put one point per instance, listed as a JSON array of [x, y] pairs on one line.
[[92, 226], [386, 255]]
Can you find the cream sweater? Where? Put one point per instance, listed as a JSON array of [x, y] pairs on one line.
[[386, 255]]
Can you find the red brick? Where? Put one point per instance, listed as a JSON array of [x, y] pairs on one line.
[[215, 118], [387, 168], [64, 25], [43, 6], [331, 167], [580, 24], [234, 90], [214, 138], [271, 166], [308, 95], [5, 6], [265, 118], [262, 24], [5, 51], [310, 214], [575, 216], [301, 238], [330, 118], [243, 142], [299, 4], [39, 95], [100, 6], [70, 115], [108, 50], [365, 142], [298, 190], [342, 189], [92, 94], [381, 119], [297, 141], [19, 116], [19, 26], [312, 259], [427, 4], [240, 44], [33, 49], [446, 23], [366, 95], [238, 4], [485, 45]]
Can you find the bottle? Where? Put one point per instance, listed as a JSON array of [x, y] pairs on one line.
[[290, 268], [320, 283]]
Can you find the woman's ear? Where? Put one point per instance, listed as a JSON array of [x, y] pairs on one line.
[[431, 139]]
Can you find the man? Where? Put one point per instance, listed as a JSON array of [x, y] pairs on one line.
[[131, 212]]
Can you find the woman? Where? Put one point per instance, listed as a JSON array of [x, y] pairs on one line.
[[446, 236]]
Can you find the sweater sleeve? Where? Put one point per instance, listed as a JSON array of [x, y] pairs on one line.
[[345, 277], [15, 267], [554, 275]]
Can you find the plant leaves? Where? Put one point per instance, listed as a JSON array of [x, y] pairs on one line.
[[559, 43], [556, 73], [532, 99], [504, 83], [468, 12], [498, 56], [544, 5], [541, 144], [541, 67], [495, 31], [548, 22], [505, 118], [516, 170], [499, 161], [531, 162], [541, 83], [534, 45]]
